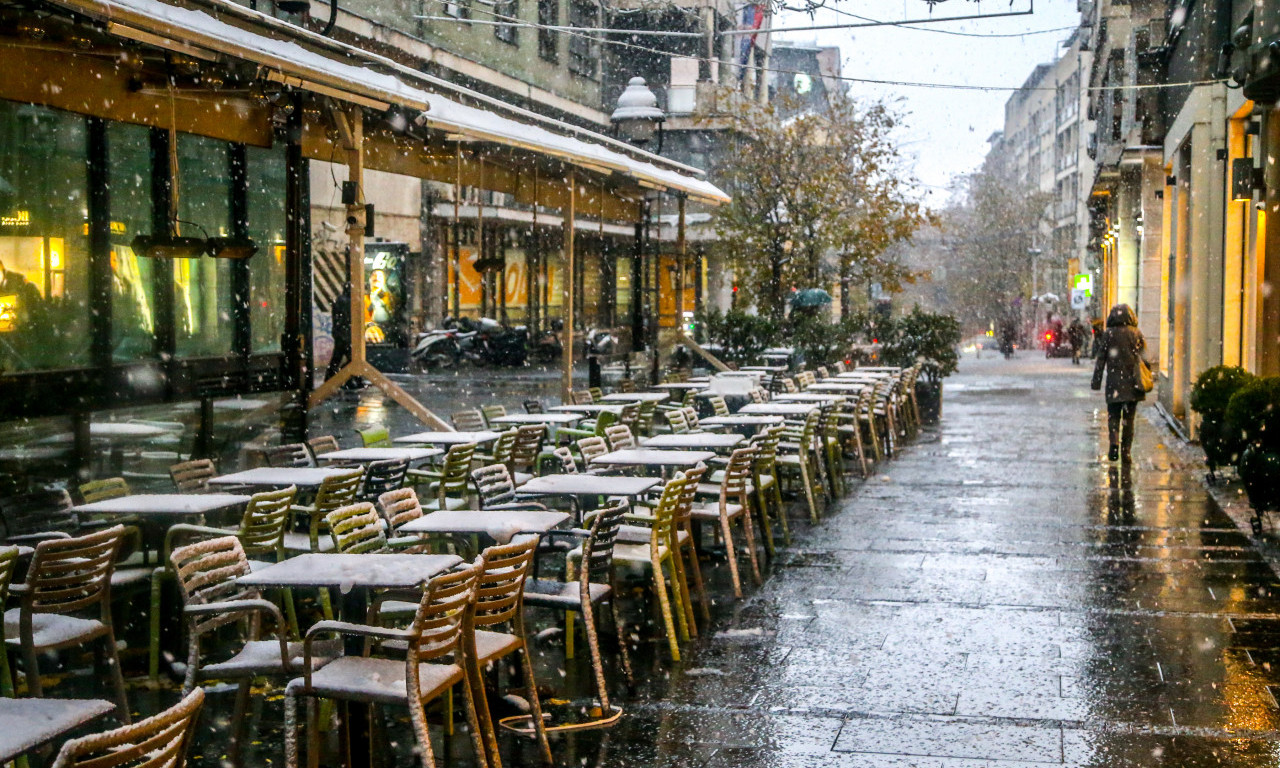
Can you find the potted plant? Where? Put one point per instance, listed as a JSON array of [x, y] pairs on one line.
[[1254, 414], [930, 339], [1209, 397]]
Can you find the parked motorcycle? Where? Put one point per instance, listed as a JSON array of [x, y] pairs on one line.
[[601, 341], [436, 350], [547, 347]]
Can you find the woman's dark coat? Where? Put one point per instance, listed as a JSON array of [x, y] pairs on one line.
[[1122, 345]]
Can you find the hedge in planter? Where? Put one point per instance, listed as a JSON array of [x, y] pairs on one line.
[[930, 339], [1209, 398], [1253, 413]]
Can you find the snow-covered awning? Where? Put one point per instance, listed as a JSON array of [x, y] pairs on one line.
[[197, 32]]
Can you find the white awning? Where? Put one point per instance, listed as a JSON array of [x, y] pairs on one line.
[[196, 32]]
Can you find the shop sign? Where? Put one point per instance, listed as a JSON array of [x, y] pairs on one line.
[[1079, 299], [1082, 282]]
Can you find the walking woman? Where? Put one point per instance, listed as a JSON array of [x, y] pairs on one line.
[[1120, 354]]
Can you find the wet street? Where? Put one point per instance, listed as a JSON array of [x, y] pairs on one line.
[[995, 596]]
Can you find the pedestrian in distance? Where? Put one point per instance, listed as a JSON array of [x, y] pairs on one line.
[[1127, 377], [1075, 337]]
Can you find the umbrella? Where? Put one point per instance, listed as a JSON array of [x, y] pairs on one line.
[[810, 297]]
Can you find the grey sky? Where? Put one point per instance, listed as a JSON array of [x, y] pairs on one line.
[[946, 130]]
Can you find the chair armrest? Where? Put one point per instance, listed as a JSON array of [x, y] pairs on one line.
[[359, 630], [247, 605], [36, 538]]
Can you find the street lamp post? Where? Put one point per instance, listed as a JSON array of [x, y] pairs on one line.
[[638, 119]]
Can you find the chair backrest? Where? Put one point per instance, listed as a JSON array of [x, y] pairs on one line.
[[688, 399], [568, 466], [678, 421], [375, 437], [620, 438], [500, 584], [8, 564], [399, 507], [691, 418], [597, 550], [591, 447], [455, 471], [662, 529], [500, 449], [533, 406], [322, 444], [757, 395], [628, 416], [192, 476], [383, 476], [597, 394], [106, 488], [766, 444], [627, 385], [206, 573], [265, 519], [43, 511], [357, 529], [529, 440], [822, 373], [443, 618], [289, 455], [470, 420], [74, 573], [689, 494], [338, 490], [494, 485], [581, 397], [737, 474], [160, 741], [789, 385], [718, 406], [644, 424], [491, 412], [805, 379]]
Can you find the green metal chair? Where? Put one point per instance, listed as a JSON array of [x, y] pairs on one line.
[[375, 437], [451, 484]]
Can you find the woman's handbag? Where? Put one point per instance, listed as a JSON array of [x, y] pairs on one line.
[[1145, 379]]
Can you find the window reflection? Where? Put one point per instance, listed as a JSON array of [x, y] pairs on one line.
[[202, 287], [129, 174], [267, 221]]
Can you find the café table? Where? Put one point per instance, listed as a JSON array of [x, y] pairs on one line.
[[583, 485], [28, 724], [592, 408], [792, 410], [841, 387], [500, 525], [242, 404], [364, 455], [876, 369], [116, 434], [681, 386], [863, 374], [765, 368], [305, 478], [745, 421], [652, 457], [636, 397], [809, 397], [557, 419], [156, 511], [710, 441], [448, 438]]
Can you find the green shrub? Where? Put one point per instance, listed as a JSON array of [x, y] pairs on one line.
[[741, 337], [1253, 413], [924, 337], [1213, 390]]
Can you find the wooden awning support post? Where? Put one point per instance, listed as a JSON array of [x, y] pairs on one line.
[[567, 356], [351, 127]]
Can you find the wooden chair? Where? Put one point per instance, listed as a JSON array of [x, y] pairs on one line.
[[500, 604], [375, 437], [192, 476], [160, 741], [289, 455], [383, 476], [470, 420], [733, 504], [430, 665], [588, 582], [68, 577], [212, 599]]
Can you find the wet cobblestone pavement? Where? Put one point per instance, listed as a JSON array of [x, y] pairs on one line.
[[995, 596]]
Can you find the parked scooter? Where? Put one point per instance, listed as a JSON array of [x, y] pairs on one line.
[[601, 341], [501, 346], [547, 347], [436, 350]]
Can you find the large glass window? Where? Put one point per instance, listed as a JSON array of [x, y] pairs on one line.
[[267, 221], [202, 287], [44, 257], [129, 176]]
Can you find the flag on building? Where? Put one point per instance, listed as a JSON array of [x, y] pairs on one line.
[[752, 18]]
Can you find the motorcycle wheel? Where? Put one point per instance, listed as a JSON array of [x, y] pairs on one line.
[[437, 361]]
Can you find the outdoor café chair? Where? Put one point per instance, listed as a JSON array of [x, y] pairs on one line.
[[796, 457], [106, 488], [496, 490], [8, 564], [677, 421], [322, 444], [581, 397], [375, 437], [656, 552], [499, 451], [644, 422], [588, 582], [429, 664], [822, 373], [691, 418], [160, 741], [337, 490], [588, 427], [357, 529], [764, 479], [470, 420], [192, 476], [397, 508], [289, 455], [832, 449], [627, 385], [849, 432], [620, 438], [450, 484], [383, 476], [526, 453], [597, 394], [686, 400], [733, 504], [533, 406], [498, 631], [66, 579], [491, 412], [212, 599], [682, 541], [590, 448], [564, 455], [38, 515], [718, 406], [261, 535]]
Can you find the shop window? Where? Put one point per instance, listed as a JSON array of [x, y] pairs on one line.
[[267, 222], [584, 49], [203, 319], [44, 256], [129, 177]]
